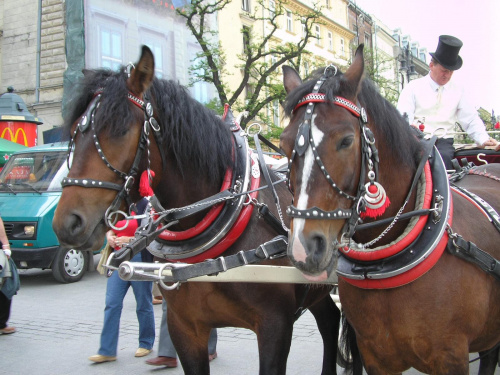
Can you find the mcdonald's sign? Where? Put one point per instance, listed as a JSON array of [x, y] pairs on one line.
[[24, 133]]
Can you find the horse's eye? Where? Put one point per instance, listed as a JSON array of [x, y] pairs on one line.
[[346, 142]]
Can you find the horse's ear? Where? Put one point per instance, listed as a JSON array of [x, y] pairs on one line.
[[355, 72], [291, 78], [142, 76]]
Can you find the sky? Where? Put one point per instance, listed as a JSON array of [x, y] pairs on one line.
[[476, 23]]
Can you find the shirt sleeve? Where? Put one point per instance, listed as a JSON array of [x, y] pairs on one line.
[[469, 119], [406, 103]]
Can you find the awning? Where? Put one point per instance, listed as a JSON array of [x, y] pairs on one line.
[[7, 148]]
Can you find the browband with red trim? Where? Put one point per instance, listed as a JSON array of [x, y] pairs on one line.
[[338, 100]]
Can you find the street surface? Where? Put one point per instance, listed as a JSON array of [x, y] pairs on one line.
[[58, 328]]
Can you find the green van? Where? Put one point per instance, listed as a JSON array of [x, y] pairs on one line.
[[30, 188]]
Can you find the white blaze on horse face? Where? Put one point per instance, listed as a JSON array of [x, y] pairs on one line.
[[298, 250]]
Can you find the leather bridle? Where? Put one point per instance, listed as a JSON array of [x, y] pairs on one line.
[[85, 123], [305, 139]]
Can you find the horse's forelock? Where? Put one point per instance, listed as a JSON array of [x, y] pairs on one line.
[[113, 107]]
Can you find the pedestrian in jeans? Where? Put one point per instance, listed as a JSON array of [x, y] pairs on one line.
[[115, 293]]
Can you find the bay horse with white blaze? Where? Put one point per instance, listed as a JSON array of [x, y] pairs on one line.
[[132, 121], [355, 163]]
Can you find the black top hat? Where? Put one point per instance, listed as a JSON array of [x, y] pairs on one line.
[[447, 52]]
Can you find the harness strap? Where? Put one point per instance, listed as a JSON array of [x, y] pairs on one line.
[[468, 251], [199, 206], [489, 211], [268, 250], [426, 154], [271, 145], [90, 183], [265, 172]]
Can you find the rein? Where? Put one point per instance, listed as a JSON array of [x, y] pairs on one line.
[[85, 123]]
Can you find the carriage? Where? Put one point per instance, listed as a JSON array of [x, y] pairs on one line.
[[193, 152]]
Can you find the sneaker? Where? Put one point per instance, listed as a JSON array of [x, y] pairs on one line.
[[7, 330], [141, 352], [98, 358]]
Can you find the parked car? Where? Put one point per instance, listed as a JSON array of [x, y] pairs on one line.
[[30, 188]]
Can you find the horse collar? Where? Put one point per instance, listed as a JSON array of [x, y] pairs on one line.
[[416, 251]]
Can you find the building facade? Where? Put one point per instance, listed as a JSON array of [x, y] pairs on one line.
[[45, 44]]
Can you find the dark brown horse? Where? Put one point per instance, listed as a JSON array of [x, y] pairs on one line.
[[414, 304], [189, 148]]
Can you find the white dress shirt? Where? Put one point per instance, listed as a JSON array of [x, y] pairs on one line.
[[423, 103]]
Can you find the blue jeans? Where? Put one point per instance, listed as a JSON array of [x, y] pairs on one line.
[[115, 293]]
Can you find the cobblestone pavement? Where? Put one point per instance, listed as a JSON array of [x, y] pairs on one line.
[[58, 328]]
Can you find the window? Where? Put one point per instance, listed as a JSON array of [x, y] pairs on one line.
[[304, 30], [157, 41], [367, 41], [306, 68], [246, 39], [342, 47], [317, 33], [272, 9], [245, 5], [328, 4], [199, 90], [289, 21], [330, 41], [276, 112], [110, 48]]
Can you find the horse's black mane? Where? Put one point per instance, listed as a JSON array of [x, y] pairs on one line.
[[389, 125], [192, 134]]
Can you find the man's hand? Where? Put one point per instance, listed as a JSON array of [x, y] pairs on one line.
[[491, 142]]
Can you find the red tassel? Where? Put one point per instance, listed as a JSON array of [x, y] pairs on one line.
[[374, 213], [377, 201], [145, 185]]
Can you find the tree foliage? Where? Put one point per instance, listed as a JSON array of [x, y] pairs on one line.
[[379, 66], [260, 61]]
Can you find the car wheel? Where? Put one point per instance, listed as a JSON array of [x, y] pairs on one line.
[[69, 265]]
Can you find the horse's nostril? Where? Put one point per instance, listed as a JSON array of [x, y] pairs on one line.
[[317, 244], [74, 224]]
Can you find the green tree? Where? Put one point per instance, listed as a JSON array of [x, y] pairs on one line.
[[377, 65], [260, 62]]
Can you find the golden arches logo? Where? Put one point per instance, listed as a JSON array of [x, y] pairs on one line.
[[13, 137]]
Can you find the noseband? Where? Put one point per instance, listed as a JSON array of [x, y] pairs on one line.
[[369, 158], [85, 123]]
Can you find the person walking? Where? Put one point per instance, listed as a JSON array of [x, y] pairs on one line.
[[115, 293], [436, 103]]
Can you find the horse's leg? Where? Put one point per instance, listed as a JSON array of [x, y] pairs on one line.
[[274, 337], [327, 316], [190, 339], [488, 362]]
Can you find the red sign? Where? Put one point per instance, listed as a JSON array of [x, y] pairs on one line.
[[24, 133]]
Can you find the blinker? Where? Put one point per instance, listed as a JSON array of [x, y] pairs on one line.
[[83, 125], [302, 140]]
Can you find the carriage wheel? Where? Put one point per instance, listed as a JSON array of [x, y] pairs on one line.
[[69, 265]]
